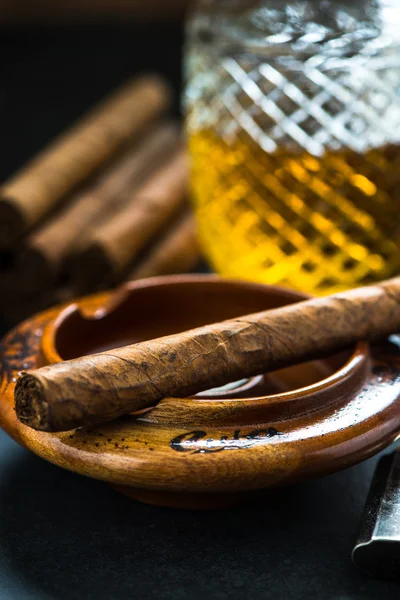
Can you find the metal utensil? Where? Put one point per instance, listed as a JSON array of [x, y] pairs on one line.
[[378, 548]]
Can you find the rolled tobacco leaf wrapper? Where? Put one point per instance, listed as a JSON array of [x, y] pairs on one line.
[[45, 250], [117, 242], [39, 186], [104, 386], [177, 252]]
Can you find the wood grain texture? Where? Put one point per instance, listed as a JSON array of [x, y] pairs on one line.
[[357, 416]]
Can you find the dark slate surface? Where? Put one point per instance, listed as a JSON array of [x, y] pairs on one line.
[[64, 537]]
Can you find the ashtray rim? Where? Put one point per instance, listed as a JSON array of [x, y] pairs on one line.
[[220, 457]]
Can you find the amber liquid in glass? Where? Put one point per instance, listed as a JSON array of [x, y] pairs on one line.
[[318, 224], [293, 119]]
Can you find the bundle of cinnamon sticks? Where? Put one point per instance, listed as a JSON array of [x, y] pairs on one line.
[[105, 202]]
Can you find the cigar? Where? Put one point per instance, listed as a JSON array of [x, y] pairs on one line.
[[33, 192], [177, 252], [117, 242], [45, 250], [101, 387]]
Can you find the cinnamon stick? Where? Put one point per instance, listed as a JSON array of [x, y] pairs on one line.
[[177, 252], [40, 185], [46, 249], [117, 242], [102, 387]]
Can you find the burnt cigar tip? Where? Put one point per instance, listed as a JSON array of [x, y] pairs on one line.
[[12, 225], [30, 404]]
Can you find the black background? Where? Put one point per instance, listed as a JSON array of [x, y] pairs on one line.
[[65, 537]]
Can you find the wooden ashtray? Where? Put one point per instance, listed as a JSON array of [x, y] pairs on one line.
[[220, 447]]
